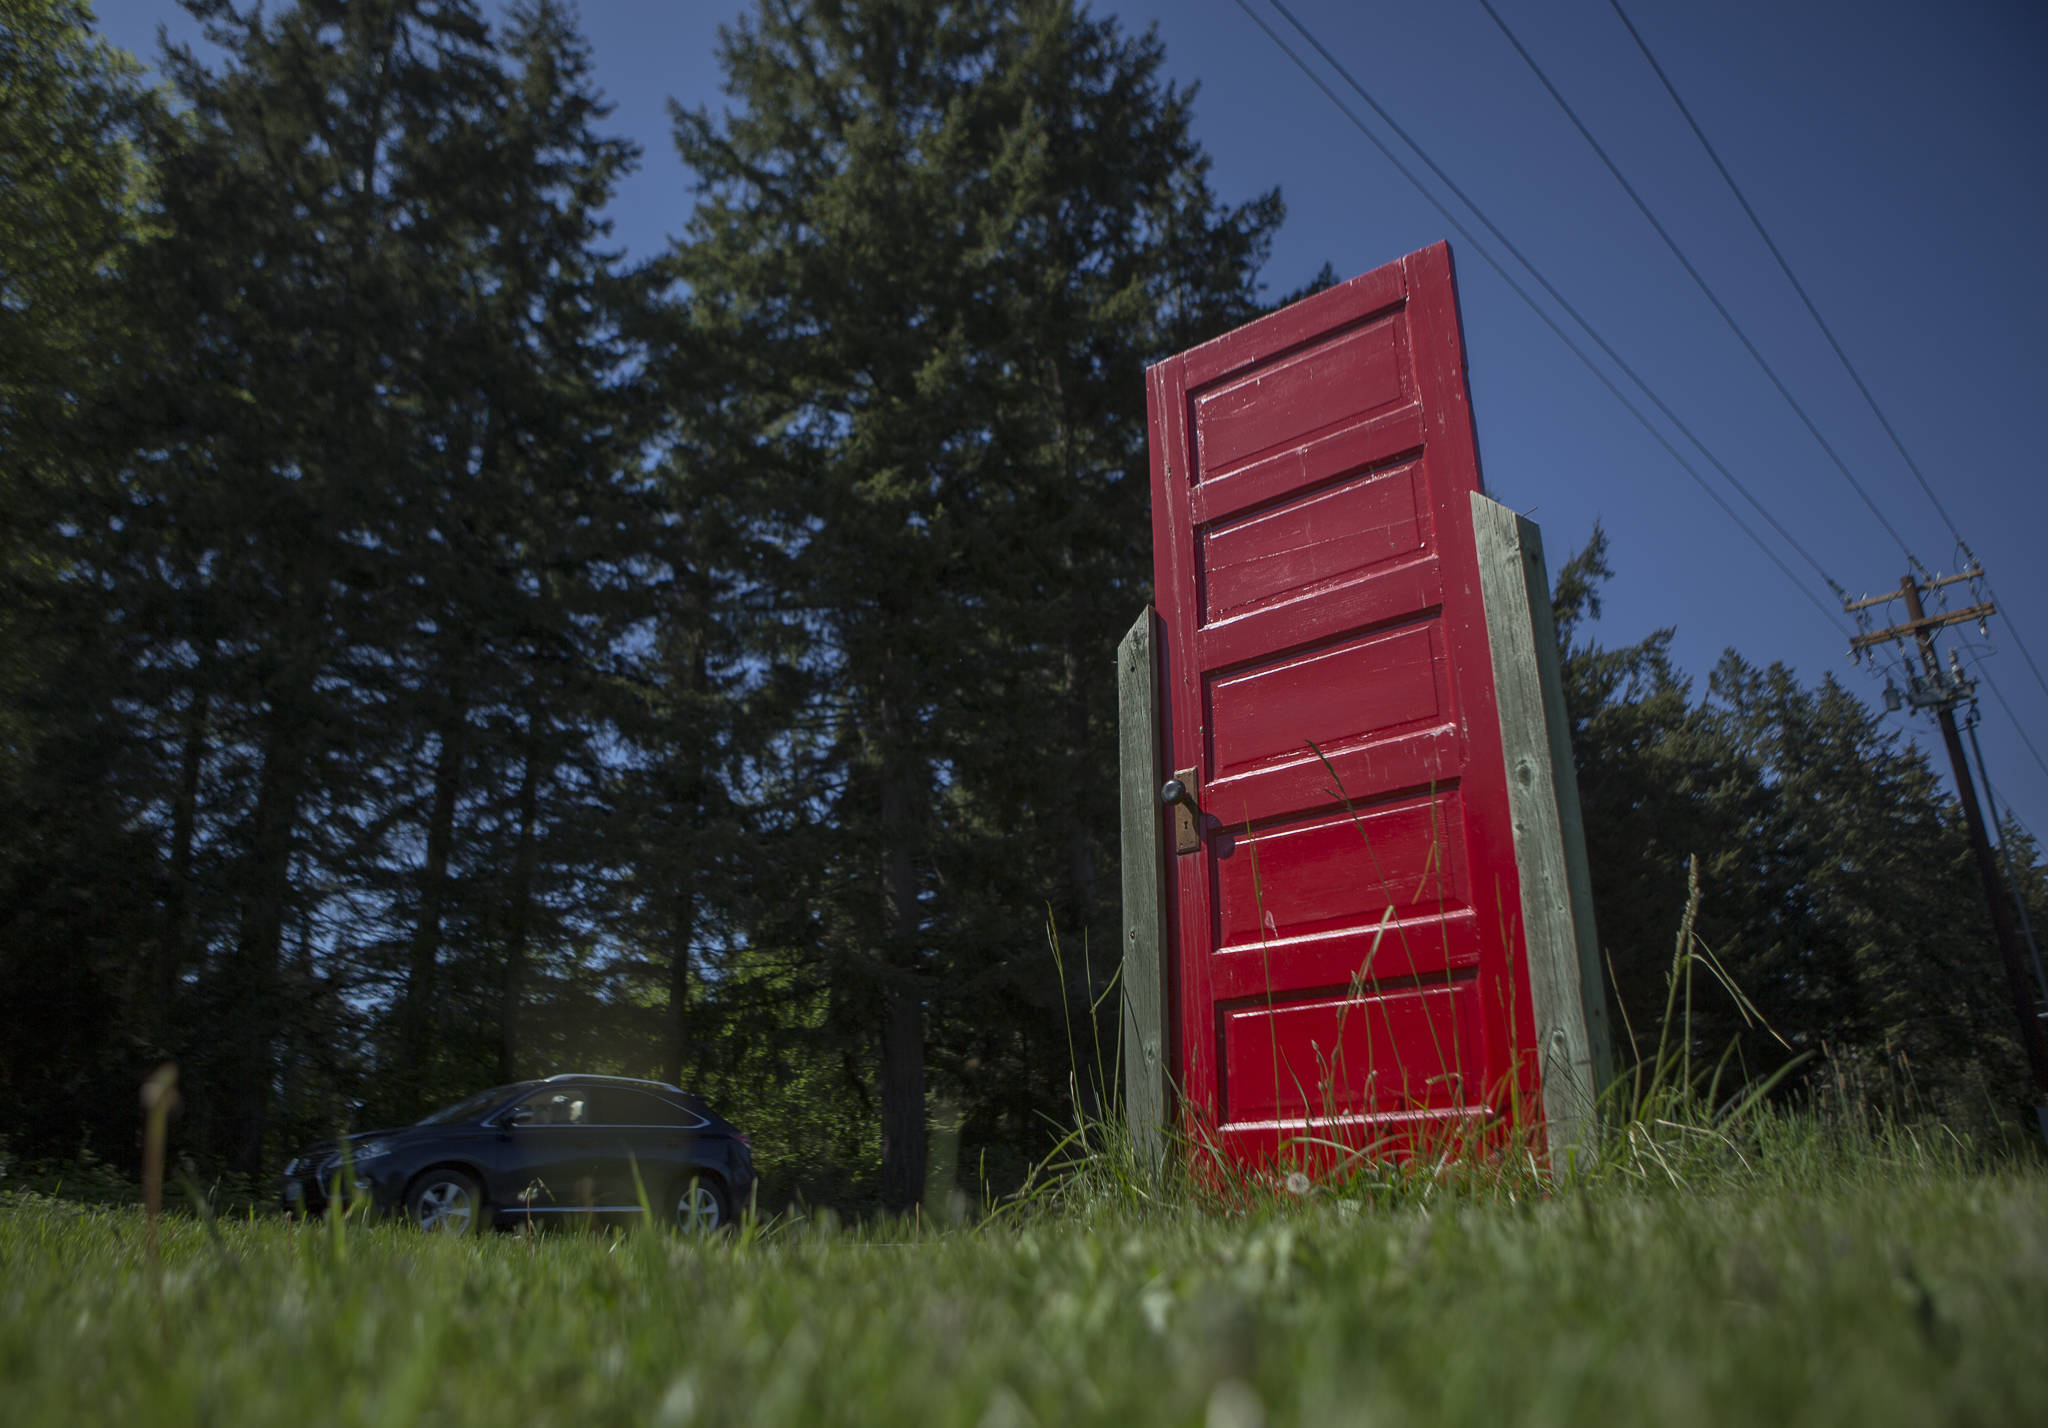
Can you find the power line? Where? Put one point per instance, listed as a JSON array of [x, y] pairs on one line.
[[1786, 268], [1699, 281], [1999, 694], [1556, 296], [2012, 880], [1577, 351], [1841, 354]]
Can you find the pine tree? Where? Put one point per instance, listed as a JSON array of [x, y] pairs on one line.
[[391, 479], [933, 246], [78, 932], [1862, 924], [1838, 894]]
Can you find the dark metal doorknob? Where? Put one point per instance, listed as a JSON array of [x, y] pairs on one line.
[[1178, 793]]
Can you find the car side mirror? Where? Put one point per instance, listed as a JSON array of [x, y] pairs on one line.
[[517, 1116]]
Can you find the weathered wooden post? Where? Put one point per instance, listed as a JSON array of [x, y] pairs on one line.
[[1147, 1043], [1565, 984]]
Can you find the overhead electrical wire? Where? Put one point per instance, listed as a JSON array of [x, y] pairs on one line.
[[1785, 267], [1548, 321], [1614, 356], [2012, 881], [1699, 281], [2003, 703], [2007, 813], [1876, 410]]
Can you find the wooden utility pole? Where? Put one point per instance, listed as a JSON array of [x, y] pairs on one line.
[[1942, 693]]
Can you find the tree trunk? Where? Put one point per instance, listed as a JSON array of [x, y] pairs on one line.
[[902, 1058], [512, 989], [174, 947], [903, 1138], [1089, 1077], [1074, 660], [679, 978], [252, 999], [687, 775], [1080, 853], [415, 1025]]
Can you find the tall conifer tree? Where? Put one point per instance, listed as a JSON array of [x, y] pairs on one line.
[[389, 472], [934, 245], [77, 936]]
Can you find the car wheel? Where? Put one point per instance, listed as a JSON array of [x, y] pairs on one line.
[[701, 1207], [446, 1202]]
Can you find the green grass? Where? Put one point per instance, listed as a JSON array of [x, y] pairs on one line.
[[1820, 1277]]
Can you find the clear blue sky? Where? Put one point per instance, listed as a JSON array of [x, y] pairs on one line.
[[1898, 152]]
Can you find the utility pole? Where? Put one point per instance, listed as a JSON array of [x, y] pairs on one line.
[[1942, 692], [2012, 879]]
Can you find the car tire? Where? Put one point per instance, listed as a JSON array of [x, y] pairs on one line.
[[700, 1206], [446, 1202]]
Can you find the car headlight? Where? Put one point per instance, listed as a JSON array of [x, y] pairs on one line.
[[369, 1150], [291, 1167]]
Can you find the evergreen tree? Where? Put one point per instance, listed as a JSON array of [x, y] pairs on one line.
[[1838, 894], [388, 490], [76, 892], [1656, 781], [1862, 920], [933, 246]]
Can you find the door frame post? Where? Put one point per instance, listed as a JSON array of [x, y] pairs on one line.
[[1147, 977], [1565, 983]]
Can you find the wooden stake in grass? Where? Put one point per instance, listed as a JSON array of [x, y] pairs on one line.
[[159, 1099]]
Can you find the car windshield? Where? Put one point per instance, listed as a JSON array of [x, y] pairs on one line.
[[467, 1110]]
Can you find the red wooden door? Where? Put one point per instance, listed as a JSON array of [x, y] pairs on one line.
[[1347, 936]]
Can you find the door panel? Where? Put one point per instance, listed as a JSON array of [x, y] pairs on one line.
[[1347, 692], [1339, 379], [1334, 870], [551, 1169], [1328, 1056], [1388, 949], [1257, 558], [1346, 938], [644, 1138]]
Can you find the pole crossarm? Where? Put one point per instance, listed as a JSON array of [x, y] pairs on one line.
[[1926, 624], [1975, 572]]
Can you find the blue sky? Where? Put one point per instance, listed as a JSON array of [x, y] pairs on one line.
[[1897, 152]]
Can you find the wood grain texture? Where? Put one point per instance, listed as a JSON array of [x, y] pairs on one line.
[[1147, 1050], [1565, 985]]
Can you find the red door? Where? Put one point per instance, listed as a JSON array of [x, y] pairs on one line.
[[1347, 933]]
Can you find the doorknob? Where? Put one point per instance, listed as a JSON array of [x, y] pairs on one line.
[[1178, 793]]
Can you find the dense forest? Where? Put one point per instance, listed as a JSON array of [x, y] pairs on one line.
[[435, 650]]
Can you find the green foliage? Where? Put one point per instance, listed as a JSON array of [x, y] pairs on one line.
[[353, 550], [933, 247], [69, 103], [400, 480], [71, 903], [771, 1059], [1839, 893]]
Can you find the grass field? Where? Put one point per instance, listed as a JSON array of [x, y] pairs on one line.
[[1812, 1279]]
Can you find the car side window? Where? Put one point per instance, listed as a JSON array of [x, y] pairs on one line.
[[618, 1106], [564, 1107]]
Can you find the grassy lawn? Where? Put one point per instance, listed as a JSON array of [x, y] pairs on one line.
[[1866, 1287]]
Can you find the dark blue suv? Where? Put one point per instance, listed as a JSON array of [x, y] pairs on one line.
[[541, 1151]]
